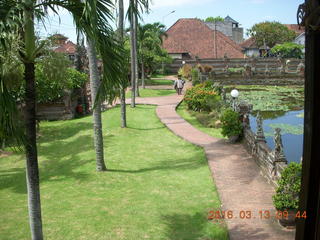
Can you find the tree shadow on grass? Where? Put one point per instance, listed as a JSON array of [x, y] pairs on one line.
[[181, 164], [62, 159], [188, 226], [63, 131]]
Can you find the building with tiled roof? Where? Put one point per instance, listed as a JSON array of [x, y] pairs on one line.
[[62, 45], [193, 38], [295, 27], [250, 48]]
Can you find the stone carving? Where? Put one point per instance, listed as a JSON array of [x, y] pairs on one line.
[[278, 149], [300, 69], [247, 74], [267, 71], [223, 95], [260, 133], [287, 66]]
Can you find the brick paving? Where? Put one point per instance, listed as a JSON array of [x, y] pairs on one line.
[[240, 185]]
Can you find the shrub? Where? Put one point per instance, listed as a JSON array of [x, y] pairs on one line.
[[231, 124], [185, 71], [288, 50], [287, 192], [201, 97], [49, 90], [195, 76]]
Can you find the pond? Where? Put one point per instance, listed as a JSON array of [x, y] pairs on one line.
[[280, 107]]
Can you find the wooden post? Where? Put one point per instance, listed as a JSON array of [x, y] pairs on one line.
[[309, 228]]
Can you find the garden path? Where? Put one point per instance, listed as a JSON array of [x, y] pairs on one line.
[[237, 177]]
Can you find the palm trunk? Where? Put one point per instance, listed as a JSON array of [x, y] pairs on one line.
[[32, 168], [142, 74], [133, 74], [97, 123], [122, 88], [136, 53]]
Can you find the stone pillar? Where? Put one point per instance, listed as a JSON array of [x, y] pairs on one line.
[[260, 133], [244, 110]]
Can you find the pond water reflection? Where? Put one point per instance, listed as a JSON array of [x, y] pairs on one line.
[[291, 124]]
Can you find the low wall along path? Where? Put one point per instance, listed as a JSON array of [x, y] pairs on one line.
[[240, 185]]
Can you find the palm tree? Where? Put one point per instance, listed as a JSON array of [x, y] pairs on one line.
[[124, 83], [18, 17], [97, 122], [150, 36], [135, 8]]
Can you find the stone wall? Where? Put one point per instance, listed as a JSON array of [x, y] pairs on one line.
[[271, 161], [259, 66]]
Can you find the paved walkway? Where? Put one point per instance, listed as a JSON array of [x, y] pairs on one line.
[[236, 175]]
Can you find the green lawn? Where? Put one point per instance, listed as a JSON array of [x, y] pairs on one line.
[[152, 92], [189, 117], [158, 186], [158, 82]]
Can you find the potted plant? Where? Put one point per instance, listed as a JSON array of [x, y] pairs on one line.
[[231, 125], [287, 194]]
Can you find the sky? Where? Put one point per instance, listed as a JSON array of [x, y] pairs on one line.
[[246, 12]]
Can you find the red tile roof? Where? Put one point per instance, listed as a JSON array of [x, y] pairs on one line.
[[68, 48], [249, 43], [195, 37], [295, 27]]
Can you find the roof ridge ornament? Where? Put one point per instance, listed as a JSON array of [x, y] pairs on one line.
[[308, 16]]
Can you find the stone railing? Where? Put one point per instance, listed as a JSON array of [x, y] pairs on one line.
[[271, 161], [266, 71]]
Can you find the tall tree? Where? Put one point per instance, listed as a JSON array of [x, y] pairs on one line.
[[132, 13], [97, 122], [124, 82], [149, 39], [270, 33], [135, 8], [18, 17]]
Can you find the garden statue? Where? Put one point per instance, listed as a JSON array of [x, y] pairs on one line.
[[267, 71], [226, 70], [287, 66], [278, 149], [247, 74], [300, 69], [223, 95], [281, 68], [260, 133]]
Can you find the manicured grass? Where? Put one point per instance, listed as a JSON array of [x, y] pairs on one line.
[[153, 92], [158, 186], [158, 82], [190, 117]]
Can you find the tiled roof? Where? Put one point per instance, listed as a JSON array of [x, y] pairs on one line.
[[249, 43], [228, 18], [69, 48], [195, 37], [295, 27]]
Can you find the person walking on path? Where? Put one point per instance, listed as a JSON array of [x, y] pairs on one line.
[[178, 85]]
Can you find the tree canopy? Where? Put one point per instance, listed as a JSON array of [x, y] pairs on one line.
[[214, 19], [288, 50], [271, 33]]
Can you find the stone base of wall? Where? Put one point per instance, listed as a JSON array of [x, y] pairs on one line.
[[261, 81]]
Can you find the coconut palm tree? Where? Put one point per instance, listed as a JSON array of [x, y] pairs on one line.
[[150, 36], [124, 83], [136, 7], [17, 18]]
